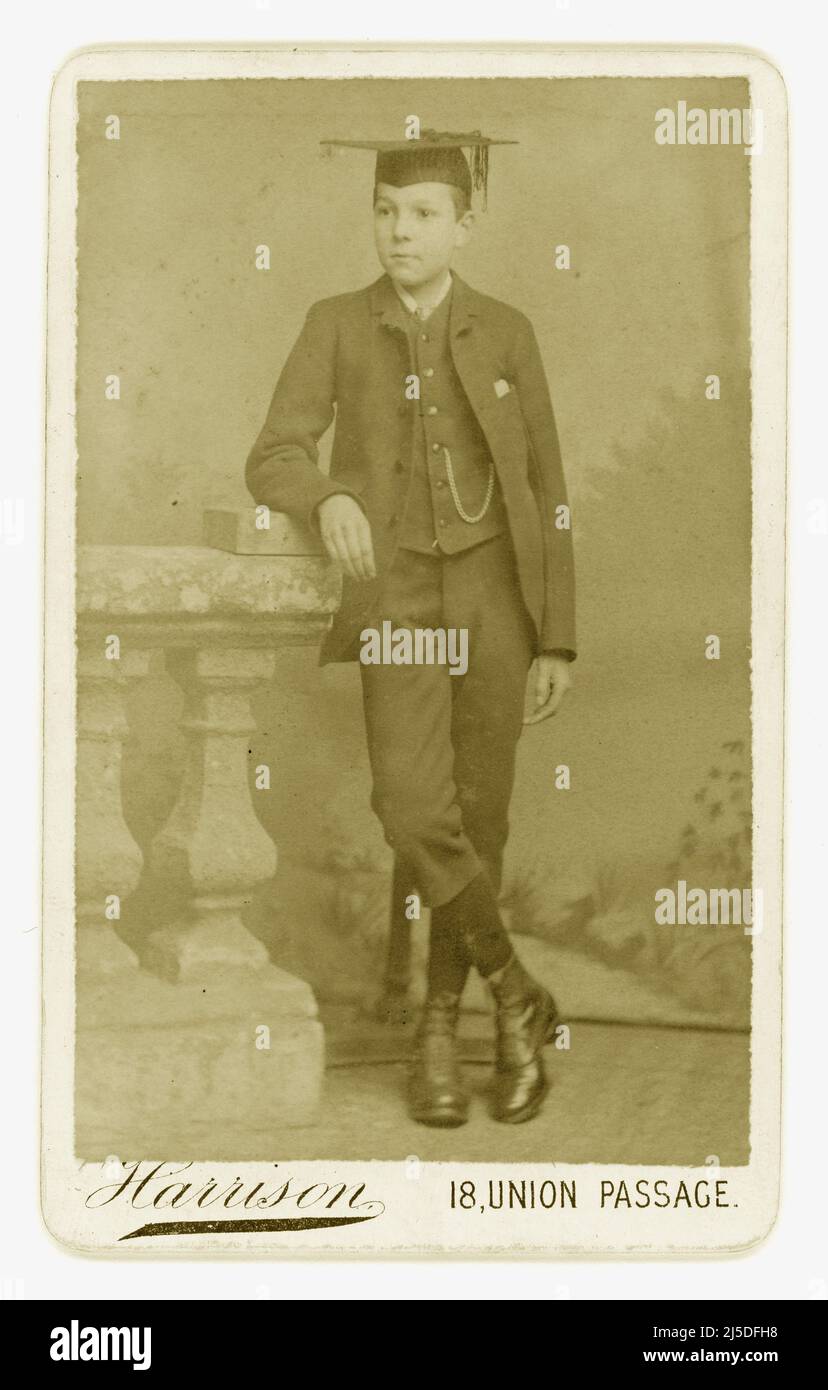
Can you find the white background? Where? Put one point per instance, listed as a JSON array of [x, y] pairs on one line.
[[792, 1262]]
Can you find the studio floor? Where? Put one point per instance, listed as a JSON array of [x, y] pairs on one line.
[[621, 1094]]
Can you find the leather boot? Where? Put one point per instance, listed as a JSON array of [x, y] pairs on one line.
[[526, 1017], [437, 1094]]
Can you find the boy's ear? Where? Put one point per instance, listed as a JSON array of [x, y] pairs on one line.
[[465, 227]]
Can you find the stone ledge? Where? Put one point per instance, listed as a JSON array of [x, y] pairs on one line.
[[237, 532], [197, 582]]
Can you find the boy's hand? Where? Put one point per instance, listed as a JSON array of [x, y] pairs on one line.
[[346, 535], [552, 680]]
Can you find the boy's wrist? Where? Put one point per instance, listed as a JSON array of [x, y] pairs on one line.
[[313, 514]]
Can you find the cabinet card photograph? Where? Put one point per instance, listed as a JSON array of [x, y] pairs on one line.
[[414, 651]]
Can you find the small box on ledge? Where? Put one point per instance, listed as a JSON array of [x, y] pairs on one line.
[[257, 531]]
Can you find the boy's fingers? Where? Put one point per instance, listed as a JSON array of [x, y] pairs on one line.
[[354, 546], [545, 712], [347, 545], [365, 549], [330, 548], [341, 552], [367, 552], [555, 697], [545, 708]]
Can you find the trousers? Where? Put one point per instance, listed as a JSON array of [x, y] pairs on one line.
[[442, 747]]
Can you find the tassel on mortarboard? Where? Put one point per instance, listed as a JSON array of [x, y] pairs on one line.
[[436, 157]]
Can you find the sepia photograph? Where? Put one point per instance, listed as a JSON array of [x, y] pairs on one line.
[[415, 591]]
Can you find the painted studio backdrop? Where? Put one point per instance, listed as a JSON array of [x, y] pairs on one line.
[[653, 303]]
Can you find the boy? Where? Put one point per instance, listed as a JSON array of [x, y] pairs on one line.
[[445, 508]]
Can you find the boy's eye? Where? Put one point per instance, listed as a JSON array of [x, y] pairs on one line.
[[425, 212]]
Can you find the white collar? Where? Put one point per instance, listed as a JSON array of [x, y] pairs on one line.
[[423, 310]]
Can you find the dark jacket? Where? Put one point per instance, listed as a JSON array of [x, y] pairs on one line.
[[351, 358]]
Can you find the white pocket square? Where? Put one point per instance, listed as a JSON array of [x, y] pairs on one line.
[[502, 388]]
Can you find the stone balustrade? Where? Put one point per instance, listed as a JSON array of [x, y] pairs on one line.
[[190, 1036]]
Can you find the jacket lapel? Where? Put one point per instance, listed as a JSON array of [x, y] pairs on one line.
[[474, 356], [478, 360], [463, 308], [386, 305]]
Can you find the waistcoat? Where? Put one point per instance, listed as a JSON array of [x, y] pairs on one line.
[[444, 420]]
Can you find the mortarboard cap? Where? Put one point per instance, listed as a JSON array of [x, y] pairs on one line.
[[436, 157]]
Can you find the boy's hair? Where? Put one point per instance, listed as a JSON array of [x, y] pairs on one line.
[[462, 202], [460, 198]]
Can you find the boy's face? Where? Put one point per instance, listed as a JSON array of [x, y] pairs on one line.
[[417, 230]]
